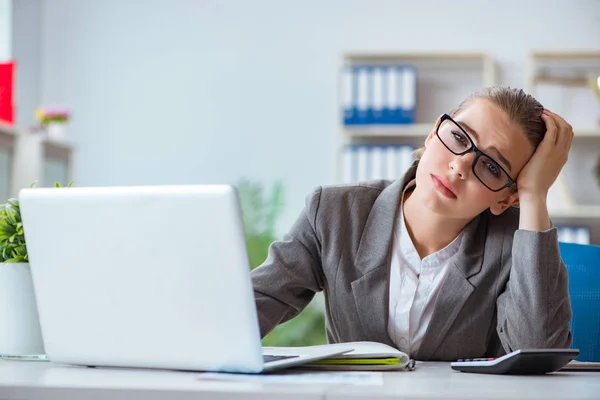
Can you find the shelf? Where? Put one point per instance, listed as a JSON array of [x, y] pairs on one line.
[[586, 133], [7, 130], [578, 211], [565, 55], [421, 131], [59, 144], [57, 149], [8, 136], [391, 131], [437, 56], [574, 81]]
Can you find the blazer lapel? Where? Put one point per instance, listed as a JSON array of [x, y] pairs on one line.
[[457, 288], [370, 291]]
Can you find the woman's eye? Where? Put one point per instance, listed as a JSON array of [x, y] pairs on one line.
[[493, 169], [459, 137]]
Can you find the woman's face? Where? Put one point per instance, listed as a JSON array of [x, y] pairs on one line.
[[446, 181]]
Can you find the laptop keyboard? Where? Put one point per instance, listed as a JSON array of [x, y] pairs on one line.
[[271, 358]]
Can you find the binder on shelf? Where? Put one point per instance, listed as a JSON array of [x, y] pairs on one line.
[[377, 166], [573, 234], [363, 88], [379, 94], [392, 103], [365, 162], [376, 114], [362, 163], [408, 99], [348, 165], [349, 99]]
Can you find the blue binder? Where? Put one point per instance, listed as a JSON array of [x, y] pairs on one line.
[[349, 91], [367, 161], [583, 266], [379, 94], [408, 99]]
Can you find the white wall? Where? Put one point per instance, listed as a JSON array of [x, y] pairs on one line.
[[209, 91], [26, 45], [5, 29]]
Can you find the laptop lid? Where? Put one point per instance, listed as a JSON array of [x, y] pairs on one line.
[[153, 276]]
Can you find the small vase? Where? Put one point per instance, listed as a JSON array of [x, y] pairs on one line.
[[56, 131], [20, 332]]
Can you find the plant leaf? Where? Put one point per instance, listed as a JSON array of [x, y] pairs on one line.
[[11, 215], [15, 259]]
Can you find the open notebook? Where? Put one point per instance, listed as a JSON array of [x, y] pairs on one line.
[[366, 356]]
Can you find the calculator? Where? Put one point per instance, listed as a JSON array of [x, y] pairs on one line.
[[519, 362]]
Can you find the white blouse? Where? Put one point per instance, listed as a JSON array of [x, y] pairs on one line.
[[414, 287]]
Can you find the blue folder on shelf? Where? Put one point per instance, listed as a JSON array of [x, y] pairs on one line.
[[379, 94], [363, 162], [583, 266]]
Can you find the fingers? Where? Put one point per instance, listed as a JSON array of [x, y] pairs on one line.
[[564, 130], [551, 128]]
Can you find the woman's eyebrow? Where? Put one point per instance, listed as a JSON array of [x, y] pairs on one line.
[[472, 132]]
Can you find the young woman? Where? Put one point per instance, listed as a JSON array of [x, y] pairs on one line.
[[442, 264]]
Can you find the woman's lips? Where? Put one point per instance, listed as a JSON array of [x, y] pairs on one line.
[[443, 186]]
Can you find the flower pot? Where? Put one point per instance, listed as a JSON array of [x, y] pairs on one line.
[[20, 332], [57, 131]]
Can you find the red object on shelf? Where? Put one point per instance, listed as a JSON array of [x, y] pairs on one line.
[[7, 109]]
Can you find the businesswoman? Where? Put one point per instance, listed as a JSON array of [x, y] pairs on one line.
[[457, 260]]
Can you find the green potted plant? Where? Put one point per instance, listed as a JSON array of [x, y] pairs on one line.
[[260, 213], [20, 332]]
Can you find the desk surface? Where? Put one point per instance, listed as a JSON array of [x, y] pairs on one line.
[[439, 381], [40, 380]]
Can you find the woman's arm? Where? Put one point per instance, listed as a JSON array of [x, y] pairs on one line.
[[535, 308], [287, 281], [534, 311]]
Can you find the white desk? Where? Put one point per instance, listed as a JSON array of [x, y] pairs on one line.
[[37, 380], [20, 380], [439, 381]]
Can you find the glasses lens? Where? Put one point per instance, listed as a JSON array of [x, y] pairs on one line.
[[490, 173], [453, 137], [487, 170]]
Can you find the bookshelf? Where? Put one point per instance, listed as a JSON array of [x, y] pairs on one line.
[[443, 80], [7, 144], [562, 81], [38, 158]]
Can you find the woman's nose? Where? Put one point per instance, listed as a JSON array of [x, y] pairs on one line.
[[461, 165]]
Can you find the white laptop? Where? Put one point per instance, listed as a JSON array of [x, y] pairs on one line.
[[151, 277]]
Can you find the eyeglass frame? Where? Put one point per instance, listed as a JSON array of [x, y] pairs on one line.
[[474, 148]]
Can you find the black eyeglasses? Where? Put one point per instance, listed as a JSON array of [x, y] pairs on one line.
[[488, 171]]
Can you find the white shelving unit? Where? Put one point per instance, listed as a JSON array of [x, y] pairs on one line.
[[38, 158], [7, 145], [561, 80], [444, 79]]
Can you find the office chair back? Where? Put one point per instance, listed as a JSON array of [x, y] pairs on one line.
[[583, 266]]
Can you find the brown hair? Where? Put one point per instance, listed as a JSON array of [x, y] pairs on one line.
[[523, 109]]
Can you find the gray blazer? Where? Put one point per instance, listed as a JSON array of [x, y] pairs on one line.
[[507, 288]]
